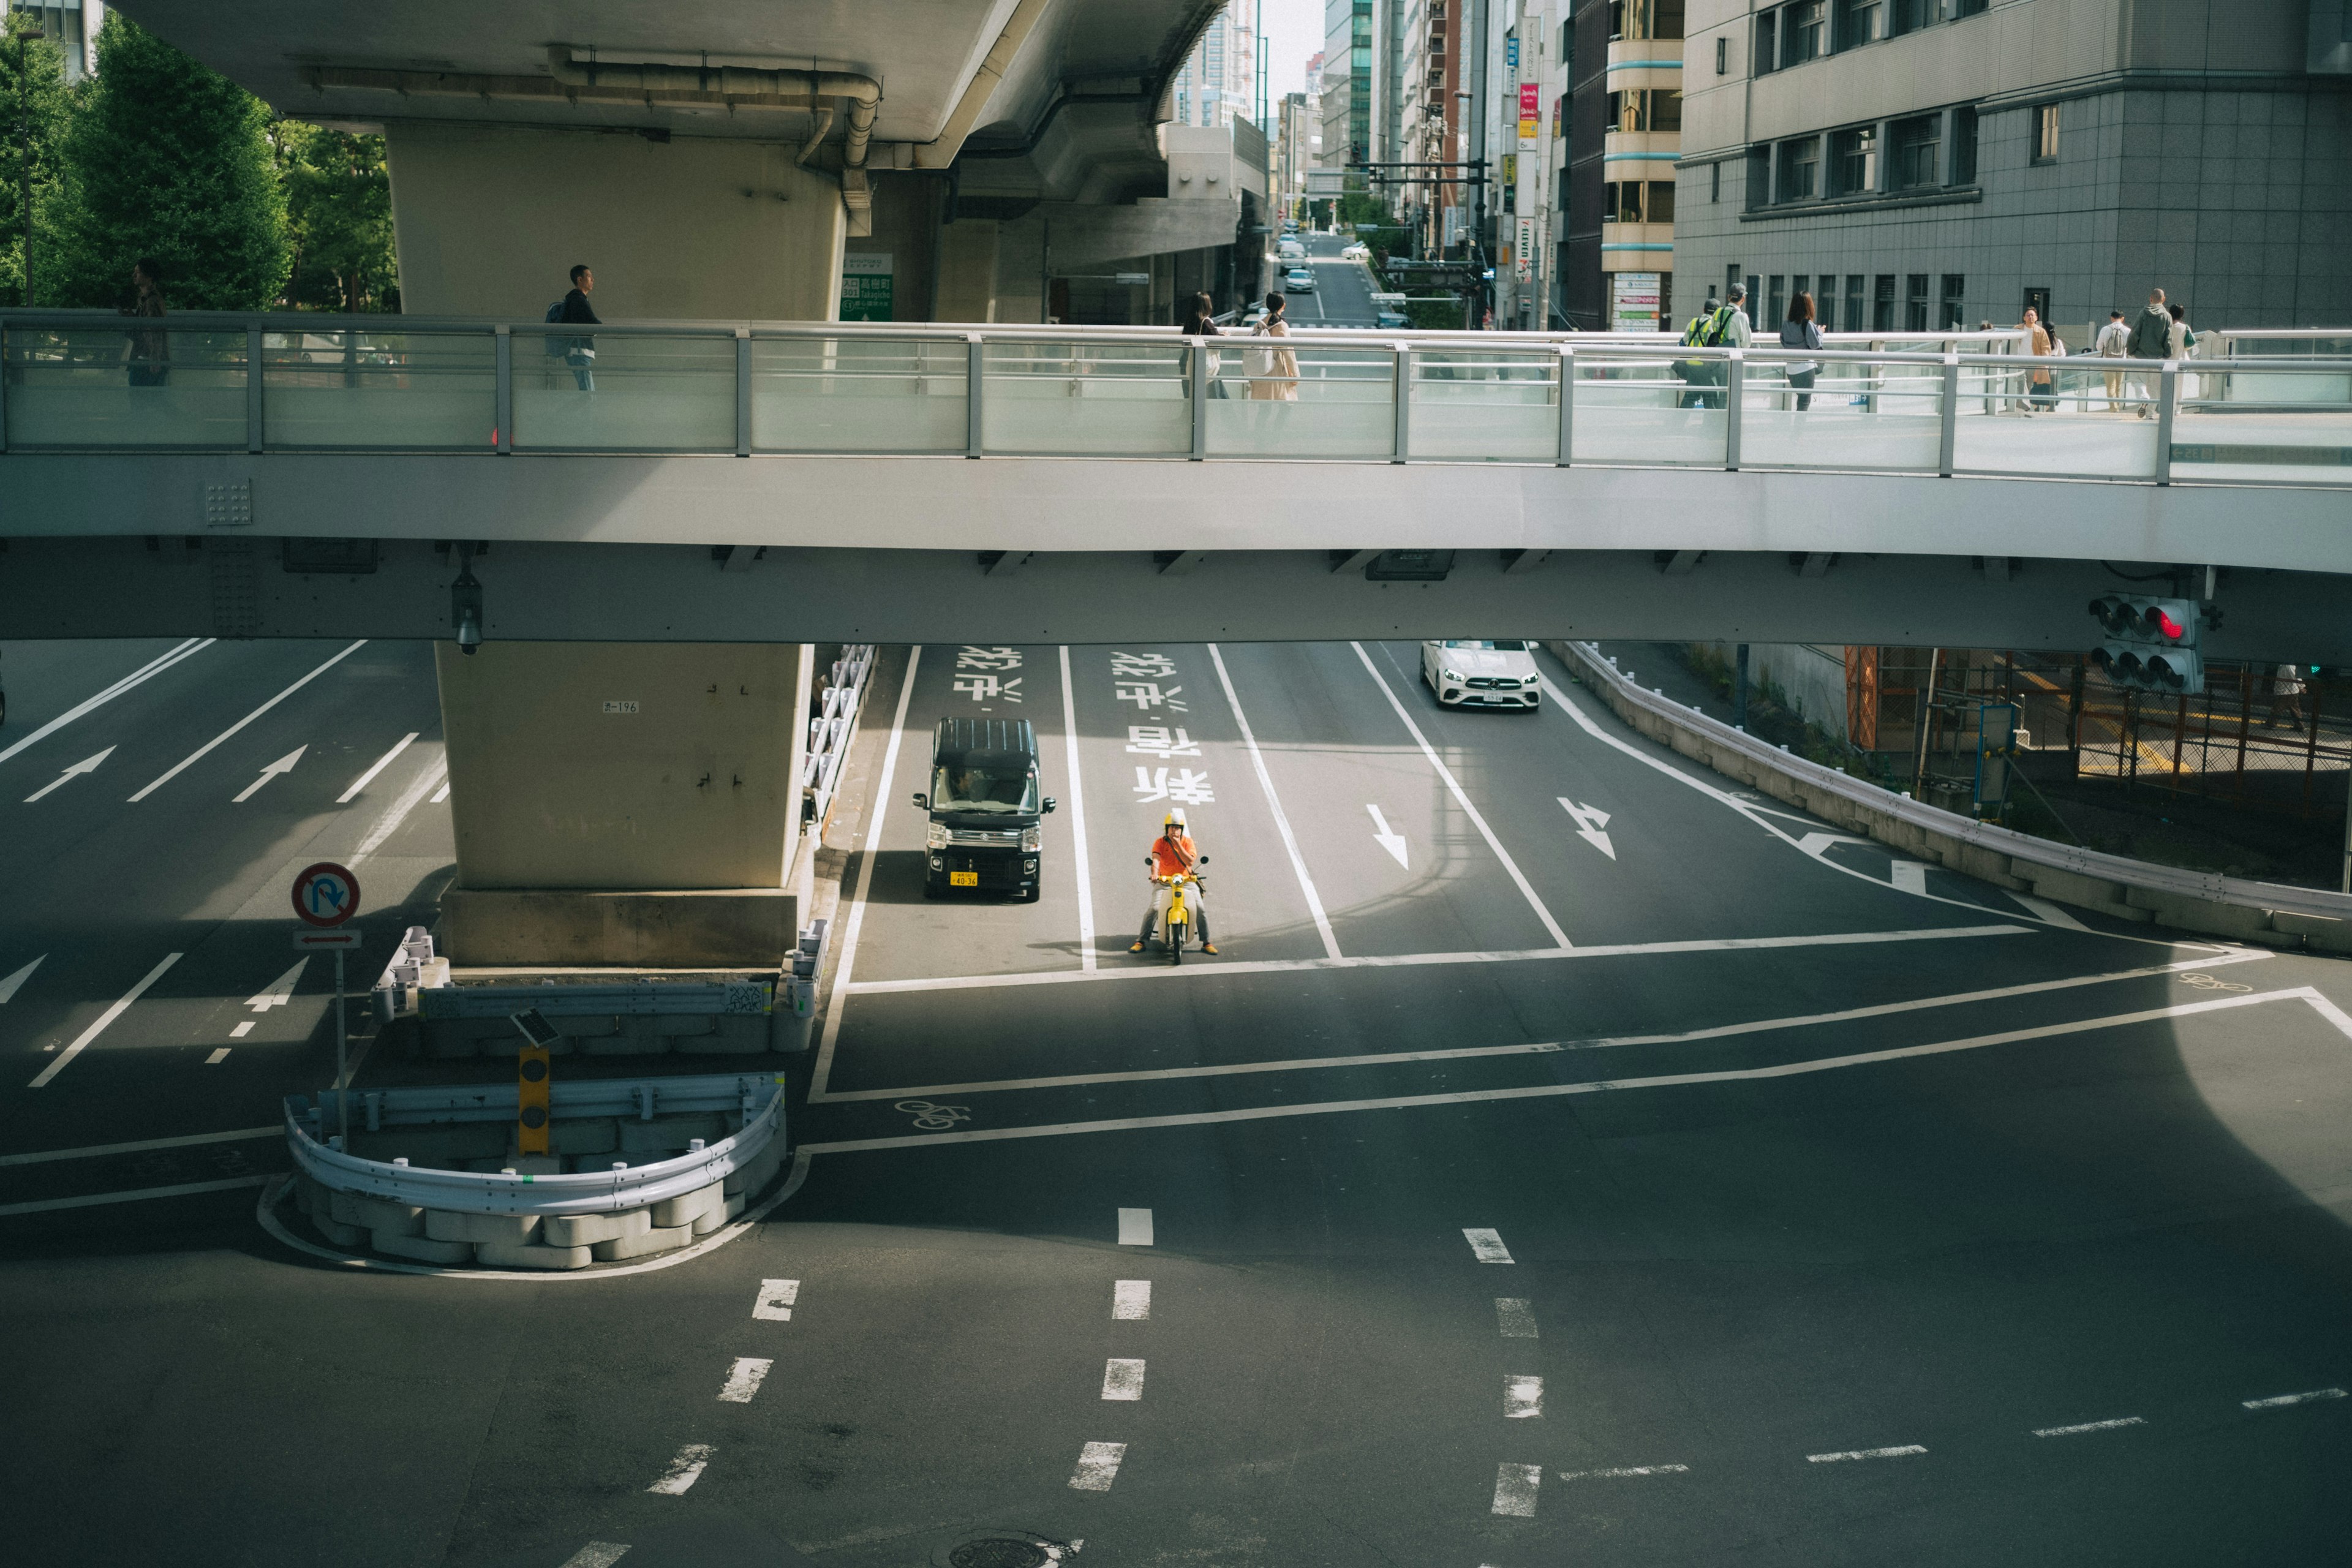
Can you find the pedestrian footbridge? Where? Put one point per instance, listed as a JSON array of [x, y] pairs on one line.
[[718, 480]]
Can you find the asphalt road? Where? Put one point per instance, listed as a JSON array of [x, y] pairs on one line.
[[1726, 1192], [1343, 289]]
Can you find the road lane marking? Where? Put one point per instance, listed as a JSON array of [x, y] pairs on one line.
[[1462, 799], [874, 822], [2082, 1427], [1516, 1317], [2336, 1016], [2279, 1401], [1390, 841], [596, 1554], [1522, 1397], [280, 991], [1590, 822], [1077, 816], [382, 763], [87, 765], [2049, 912], [219, 1057], [1135, 1228], [1814, 844], [1415, 960], [184, 763], [9, 986], [284, 764], [136, 1194], [1274, 803], [94, 1151], [1903, 1452], [1514, 1489], [1909, 877], [442, 794], [1131, 1299], [774, 1302], [744, 1378], [81, 1041], [1486, 1246], [389, 824], [684, 1470], [1098, 1467], [1122, 1378], [1623, 1471], [241, 1030], [147, 671]]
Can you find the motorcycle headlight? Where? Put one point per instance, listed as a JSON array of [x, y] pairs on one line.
[[936, 837], [1029, 838]]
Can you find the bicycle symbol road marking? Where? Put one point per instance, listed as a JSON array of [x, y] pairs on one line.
[[929, 1118], [2207, 983]]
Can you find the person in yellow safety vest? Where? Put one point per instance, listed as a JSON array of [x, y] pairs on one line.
[[1172, 853]]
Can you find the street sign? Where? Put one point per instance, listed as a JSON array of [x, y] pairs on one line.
[[312, 940], [326, 894]]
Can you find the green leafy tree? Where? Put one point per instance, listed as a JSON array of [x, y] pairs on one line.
[[163, 158], [339, 216], [32, 119]]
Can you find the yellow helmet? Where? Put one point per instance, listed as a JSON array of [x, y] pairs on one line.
[[1175, 823]]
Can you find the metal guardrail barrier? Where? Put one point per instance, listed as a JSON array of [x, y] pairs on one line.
[[1906, 404], [831, 730]]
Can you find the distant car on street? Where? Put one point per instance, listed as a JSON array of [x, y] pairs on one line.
[[1393, 319], [1299, 281], [1481, 674], [1357, 252], [1289, 249]]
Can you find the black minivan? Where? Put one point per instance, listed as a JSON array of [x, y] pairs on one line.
[[985, 809]]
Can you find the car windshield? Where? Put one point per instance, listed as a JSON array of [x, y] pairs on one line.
[[1006, 784], [1300, 272], [1497, 646]]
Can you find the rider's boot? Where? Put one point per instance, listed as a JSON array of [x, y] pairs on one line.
[[1145, 934], [1206, 945]]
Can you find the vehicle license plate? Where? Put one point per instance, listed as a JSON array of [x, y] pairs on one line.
[[963, 878]]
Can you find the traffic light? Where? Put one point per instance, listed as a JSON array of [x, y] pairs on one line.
[[2150, 644], [531, 1085]]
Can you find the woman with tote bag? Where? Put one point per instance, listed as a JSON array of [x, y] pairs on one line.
[[1199, 322], [1274, 372]]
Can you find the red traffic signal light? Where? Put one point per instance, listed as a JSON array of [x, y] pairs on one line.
[[2160, 623]]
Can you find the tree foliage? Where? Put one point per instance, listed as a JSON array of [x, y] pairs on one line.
[[31, 121], [164, 158], [339, 219]]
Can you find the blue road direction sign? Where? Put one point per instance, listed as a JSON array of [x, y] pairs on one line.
[[326, 894]]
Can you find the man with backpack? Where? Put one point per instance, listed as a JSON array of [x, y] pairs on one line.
[[580, 354], [1720, 325]]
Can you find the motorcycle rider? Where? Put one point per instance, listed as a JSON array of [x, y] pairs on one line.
[[1173, 854]]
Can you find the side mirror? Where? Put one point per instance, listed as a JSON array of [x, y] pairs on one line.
[[1204, 859], [922, 801], [1051, 803]]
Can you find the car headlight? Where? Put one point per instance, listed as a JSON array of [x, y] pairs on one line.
[[936, 837], [1030, 836], [1451, 677]]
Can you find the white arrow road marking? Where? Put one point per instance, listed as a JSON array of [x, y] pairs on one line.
[[1814, 843], [184, 763], [1392, 842], [8, 987], [81, 1041], [87, 765], [284, 764], [1589, 821], [280, 991], [153, 667]]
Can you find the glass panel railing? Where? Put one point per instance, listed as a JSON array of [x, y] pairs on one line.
[[2079, 417], [407, 390], [1082, 399], [1341, 405], [624, 392], [125, 388], [1841, 413], [1485, 407], [2265, 424], [1650, 409], [858, 395]]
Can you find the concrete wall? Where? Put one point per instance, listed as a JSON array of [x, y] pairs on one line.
[[489, 220], [1810, 675], [694, 789]]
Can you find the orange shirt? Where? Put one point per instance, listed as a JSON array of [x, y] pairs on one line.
[[1173, 857]]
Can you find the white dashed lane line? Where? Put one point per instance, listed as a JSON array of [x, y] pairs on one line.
[[684, 1470], [596, 1554], [1625, 1470], [1122, 1378], [2080, 1428], [1903, 1452], [1514, 1489], [774, 1302], [1131, 1299], [744, 1379], [1517, 1318], [1135, 1228], [2278, 1401], [1487, 1246], [1522, 1397], [1098, 1467]]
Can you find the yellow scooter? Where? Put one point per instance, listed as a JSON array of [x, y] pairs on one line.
[[1176, 925]]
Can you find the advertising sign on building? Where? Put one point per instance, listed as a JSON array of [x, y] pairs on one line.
[[1530, 113], [1511, 51], [1523, 255], [1454, 227], [1634, 301], [865, 287]]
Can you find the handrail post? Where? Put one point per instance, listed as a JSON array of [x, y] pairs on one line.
[[1735, 384], [1403, 441], [972, 379], [742, 392], [1950, 441], [1567, 405], [2167, 399], [1199, 393], [253, 410], [502, 397]]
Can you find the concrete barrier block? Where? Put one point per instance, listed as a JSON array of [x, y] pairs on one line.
[[755, 1176], [2062, 887], [712, 1219], [529, 1255], [442, 1225], [375, 1214], [1989, 865], [587, 1230], [335, 1231], [2183, 912], [418, 1248], [683, 1209], [2319, 932], [645, 1242]]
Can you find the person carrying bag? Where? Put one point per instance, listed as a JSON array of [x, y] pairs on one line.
[[1798, 332], [1272, 372]]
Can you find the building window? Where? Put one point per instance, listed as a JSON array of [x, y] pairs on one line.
[[1915, 304], [1775, 301], [1768, 49], [1715, 181], [1804, 32], [1759, 177], [1955, 286], [1645, 19], [2045, 134], [1722, 55], [1853, 161], [1645, 109], [1660, 202], [1964, 146], [1882, 303], [1858, 23], [1799, 159], [1854, 285], [1918, 141], [1825, 314]]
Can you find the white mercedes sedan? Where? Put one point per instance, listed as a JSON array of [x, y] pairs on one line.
[[1481, 674]]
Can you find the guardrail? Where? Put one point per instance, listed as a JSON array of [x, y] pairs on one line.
[[87, 382], [830, 730]]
